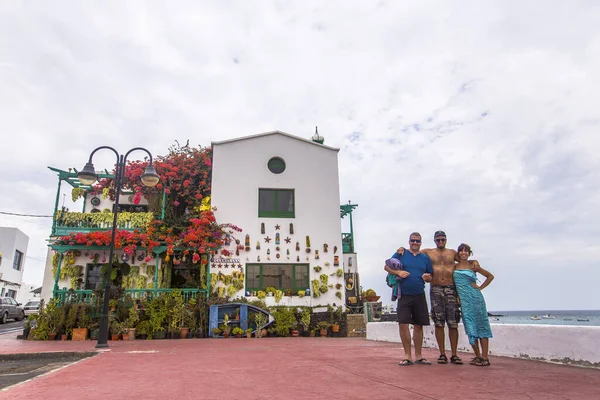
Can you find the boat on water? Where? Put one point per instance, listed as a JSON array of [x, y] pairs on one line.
[[548, 316], [535, 318], [583, 319], [567, 319]]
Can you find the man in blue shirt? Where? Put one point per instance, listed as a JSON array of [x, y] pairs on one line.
[[412, 305]]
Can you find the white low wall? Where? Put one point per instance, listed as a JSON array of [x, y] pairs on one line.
[[574, 345]]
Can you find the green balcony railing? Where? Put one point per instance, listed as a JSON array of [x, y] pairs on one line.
[[68, 222], [347, 243], [88, 296]]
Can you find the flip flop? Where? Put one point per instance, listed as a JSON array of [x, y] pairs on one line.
[[442, 359], [422, 361], [404, 363]]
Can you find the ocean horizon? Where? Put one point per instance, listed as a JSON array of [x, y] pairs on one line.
[[546, 317]]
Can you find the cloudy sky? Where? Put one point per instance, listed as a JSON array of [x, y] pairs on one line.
[[478, 118]]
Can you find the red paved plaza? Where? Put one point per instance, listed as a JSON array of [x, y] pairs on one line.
[[287, 368]]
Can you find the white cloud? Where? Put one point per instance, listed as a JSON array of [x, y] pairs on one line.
[[478, 118]]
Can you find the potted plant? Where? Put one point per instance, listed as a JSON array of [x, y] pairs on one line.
[[305, 319], [113, 303], [131, 322], [332, 319], [225, 328], [80, 332], [323, 325], [216, 332], [116, 329], [237, 332], [249, 333], [270, 291], [237, 313], [295, 332]]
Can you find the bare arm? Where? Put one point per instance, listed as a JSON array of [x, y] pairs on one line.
[[489, 277], [400, 273]]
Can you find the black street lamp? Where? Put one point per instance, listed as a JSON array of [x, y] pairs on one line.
[[88, 176]]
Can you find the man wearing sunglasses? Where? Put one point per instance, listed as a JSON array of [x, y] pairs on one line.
[[412, 304], [445, 307]]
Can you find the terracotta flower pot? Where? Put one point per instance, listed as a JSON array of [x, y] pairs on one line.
[[335, 328], [52, 336], [79, 334], [114, 337], [249, 335], [323, 332], [311, 334], [295, 333], [130, 334], [183, 332], [63, 337], [239, 335]]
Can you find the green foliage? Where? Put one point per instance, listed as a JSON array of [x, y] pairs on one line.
[[285, 319]]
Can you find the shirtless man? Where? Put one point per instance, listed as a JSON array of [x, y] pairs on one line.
[[445, 308]]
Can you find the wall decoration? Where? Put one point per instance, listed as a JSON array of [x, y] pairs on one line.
[[258, 258], [317, 268], [257, 245], [267, 240], [277, 238], [349, 261], [297, 258], [262, 228], [308, 250], [325, 248], [291, 229], [288, 240], [336, 261], [237, 251], [277, 227], [307, 258], [327, 263], [277, 255], [307, 241], [334, 249], [227, 240], [277, 248], [268, 252], [287, 251], [297, 246], [95, 201], [316, 254], [247, 243]]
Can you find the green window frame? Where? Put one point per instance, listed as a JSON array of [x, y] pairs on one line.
[[276, 203], [294, 276]]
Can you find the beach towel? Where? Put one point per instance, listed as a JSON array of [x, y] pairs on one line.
[[392, 280]]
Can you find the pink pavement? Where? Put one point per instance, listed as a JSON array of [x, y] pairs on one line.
[[287, 368]]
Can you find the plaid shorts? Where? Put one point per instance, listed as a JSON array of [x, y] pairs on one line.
[[444, 306]]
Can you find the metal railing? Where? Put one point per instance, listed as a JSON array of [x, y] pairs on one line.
[[88, 296]]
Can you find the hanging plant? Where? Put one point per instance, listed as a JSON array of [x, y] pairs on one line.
[[317, 268], [339, 294], [278, 296], [339, 272], [76, 193]]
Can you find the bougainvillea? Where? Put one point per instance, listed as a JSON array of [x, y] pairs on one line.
[[203, 235], [185, 176]]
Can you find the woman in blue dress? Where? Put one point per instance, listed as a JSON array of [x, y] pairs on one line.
[[474, 311]]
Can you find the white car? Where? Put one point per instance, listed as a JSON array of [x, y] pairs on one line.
[[32, 307]]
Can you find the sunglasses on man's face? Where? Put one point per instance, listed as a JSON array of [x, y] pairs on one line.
[[415, 241], [440, 240]]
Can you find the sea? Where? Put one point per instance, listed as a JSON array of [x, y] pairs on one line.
[[547, 317]]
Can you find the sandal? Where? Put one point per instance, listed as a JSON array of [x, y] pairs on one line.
[[475, 360], [456, 360], [405, 362], [442, 359], [423, 361], [483, 362]]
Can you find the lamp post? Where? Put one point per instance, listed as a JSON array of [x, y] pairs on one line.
[[88, 176]]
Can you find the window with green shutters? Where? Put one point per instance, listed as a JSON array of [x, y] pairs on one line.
[[279, 276], [276, 203]]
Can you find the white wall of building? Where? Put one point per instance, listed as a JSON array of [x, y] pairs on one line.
[[25, 293], [11, 240], [240, 169], [555, 343]]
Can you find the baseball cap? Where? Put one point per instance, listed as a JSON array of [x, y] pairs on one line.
[[439, 233]]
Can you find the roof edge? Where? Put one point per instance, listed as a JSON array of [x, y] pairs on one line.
[[273, 133]]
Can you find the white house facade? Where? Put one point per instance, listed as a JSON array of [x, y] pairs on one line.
[[13, 250], [283, 191]]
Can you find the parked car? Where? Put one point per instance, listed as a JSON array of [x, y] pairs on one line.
[[10, 309], [32, 307]]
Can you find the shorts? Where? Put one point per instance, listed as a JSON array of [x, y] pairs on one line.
[[412, 309], [444, 306]]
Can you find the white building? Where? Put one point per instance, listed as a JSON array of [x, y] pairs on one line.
[[13, 250], [283, 191]]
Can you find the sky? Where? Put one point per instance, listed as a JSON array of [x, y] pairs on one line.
[[477, 118]]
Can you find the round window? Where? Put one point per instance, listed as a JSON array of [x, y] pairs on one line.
[[276, 165]]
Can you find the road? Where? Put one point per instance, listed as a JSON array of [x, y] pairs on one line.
[[12, 326]]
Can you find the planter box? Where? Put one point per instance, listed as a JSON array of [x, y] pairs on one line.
[[79, 334]]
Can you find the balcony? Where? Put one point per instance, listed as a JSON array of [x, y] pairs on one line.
[[347, 243], [89, 296], [68, 222]]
